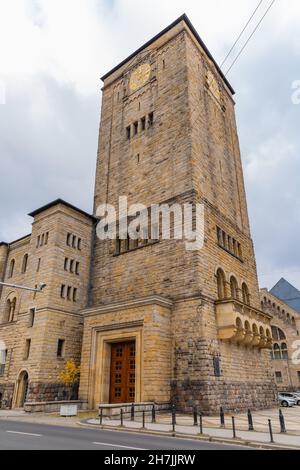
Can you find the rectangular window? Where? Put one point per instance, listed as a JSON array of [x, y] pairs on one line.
[[72, 266], [69, 292], [27, 348], [75, 294], [38, 265], [151, 119], [61, 348], [135, 128], [63, 291], [3, 357], [74, 241], [46, 237], [143, 123], [77, 268], [278, 376], [69, 239], [66, 264], [79, 244], [128, 132], [31, 317], [298, 375], [38, 241], [217, 366]]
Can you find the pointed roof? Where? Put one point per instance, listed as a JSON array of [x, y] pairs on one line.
[[286, 292]]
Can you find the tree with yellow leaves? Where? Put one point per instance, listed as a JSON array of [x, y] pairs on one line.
[[70, 376]]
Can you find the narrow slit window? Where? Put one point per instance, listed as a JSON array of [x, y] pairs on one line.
[[62, 291], [151, 119], [60, 348]]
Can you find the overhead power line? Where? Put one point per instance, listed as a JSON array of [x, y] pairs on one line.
[[242, 32], [250, 37]]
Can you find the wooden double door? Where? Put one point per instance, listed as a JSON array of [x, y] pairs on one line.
[[122, 372]]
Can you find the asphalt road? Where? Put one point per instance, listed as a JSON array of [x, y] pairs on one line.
[[29, 436]]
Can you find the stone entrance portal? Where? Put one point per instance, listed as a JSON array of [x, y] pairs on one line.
[[21, 390]]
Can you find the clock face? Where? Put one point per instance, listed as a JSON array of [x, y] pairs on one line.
[[213, 85], [139, 77]]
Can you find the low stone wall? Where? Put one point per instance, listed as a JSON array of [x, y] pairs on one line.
[[114, 410], [53, 406]]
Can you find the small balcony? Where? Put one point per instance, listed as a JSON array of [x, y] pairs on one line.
[[242, 324]]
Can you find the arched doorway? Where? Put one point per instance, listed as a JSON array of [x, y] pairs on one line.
[[22, 389]]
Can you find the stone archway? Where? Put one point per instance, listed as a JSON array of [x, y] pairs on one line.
[[21, 389]]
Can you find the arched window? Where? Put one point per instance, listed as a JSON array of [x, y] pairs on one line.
[[246, 295], [277, 352], [11, 268], [9, 311], [261, 331], [233, 288], [284, 351], [24, 263], [277, 334], [221, 281]]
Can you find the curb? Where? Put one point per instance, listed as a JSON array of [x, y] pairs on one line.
[[203, 437]]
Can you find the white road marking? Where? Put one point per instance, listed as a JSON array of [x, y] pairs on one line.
[[24, 433], [117, 445]]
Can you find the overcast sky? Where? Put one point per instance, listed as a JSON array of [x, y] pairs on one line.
[[52, 53]]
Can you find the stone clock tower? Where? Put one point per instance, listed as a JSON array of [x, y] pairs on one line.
[[163, 323]]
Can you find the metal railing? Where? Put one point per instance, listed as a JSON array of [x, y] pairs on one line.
[[150, 416]]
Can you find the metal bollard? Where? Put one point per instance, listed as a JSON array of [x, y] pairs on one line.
[[101, 416], [173, 418], [143, 419], [195, 416], [233, 427], [250, 421], [174, 413], [132, 412], [282, 422], [121, 416], [222, 417], [201, 424], [153, 414], [271, 431]]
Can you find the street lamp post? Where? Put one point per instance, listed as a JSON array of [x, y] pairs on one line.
[[40, 289]]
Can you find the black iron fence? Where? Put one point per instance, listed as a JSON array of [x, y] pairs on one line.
[[149, 415]]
